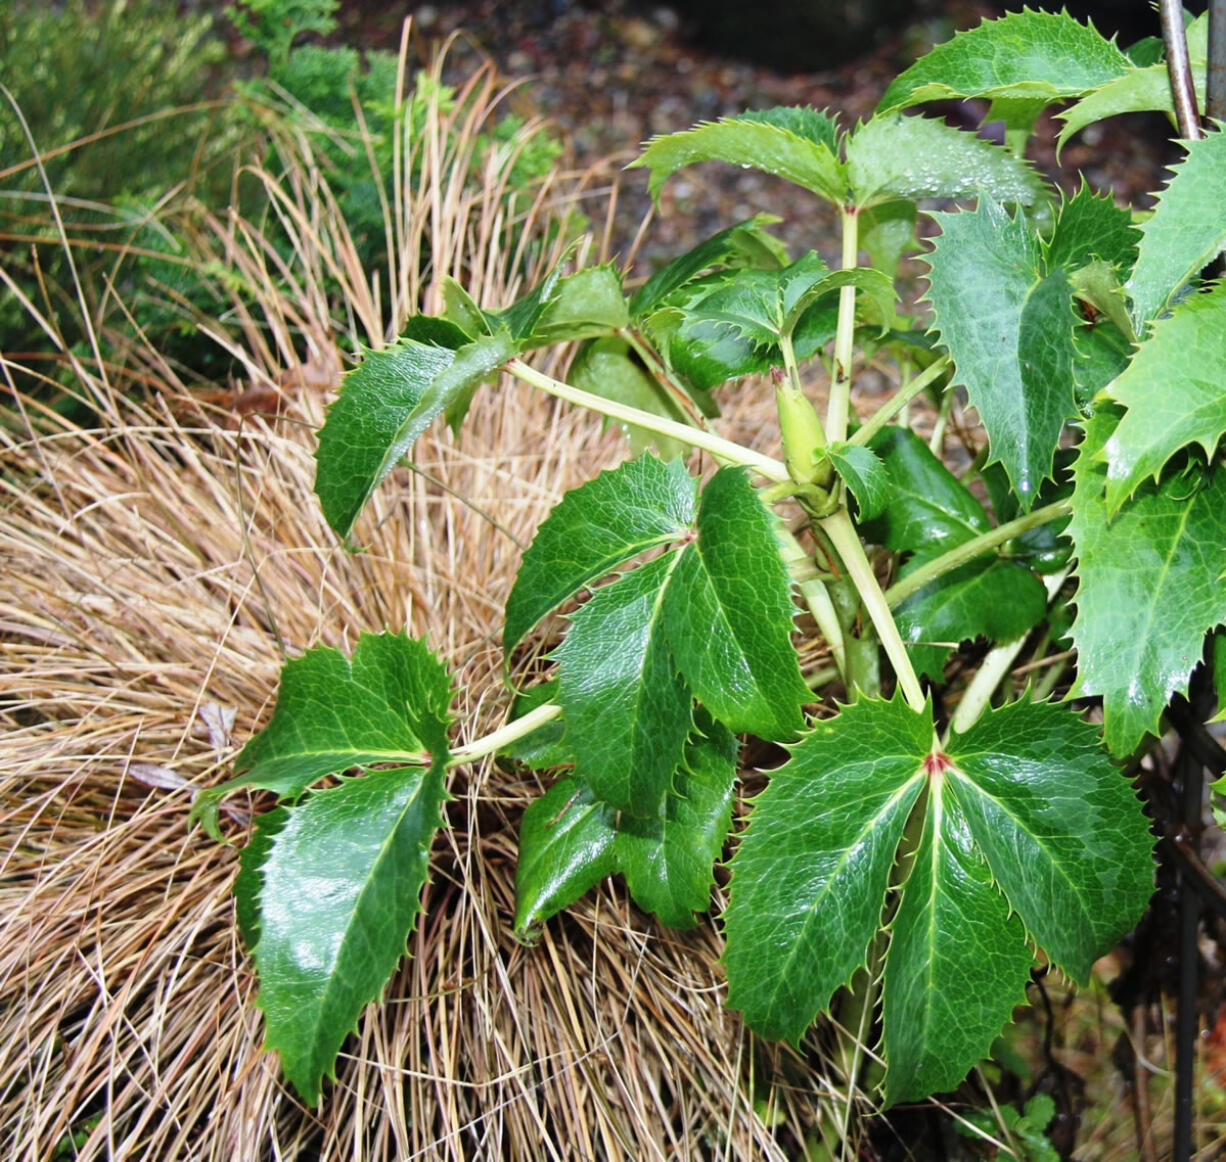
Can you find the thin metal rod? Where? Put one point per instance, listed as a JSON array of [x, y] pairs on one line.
[[1183, 91], [1215, 99]]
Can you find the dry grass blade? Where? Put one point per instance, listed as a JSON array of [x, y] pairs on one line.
[[156, 563]]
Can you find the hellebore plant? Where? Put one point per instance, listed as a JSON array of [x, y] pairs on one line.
[[917, 860]]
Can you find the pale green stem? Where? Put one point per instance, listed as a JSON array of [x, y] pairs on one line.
[[975, 547], [846, 542], [661, 375], [1051, 679], [726, 450], [995, 668], [845, 335], [905, 394], [815, 594], [936, 444], [496, 740]]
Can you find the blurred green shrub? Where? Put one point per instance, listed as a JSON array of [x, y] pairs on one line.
[[139, 116], [125, 101]]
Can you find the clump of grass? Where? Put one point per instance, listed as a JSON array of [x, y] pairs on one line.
[[160, 566]]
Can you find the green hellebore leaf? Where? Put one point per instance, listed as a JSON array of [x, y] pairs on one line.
[[1175, 393], [928, 510], [714, 616], [523, 316], [703, 354], [667, 860], [762, 306], [565, 848], [585, 305], [1186, 231], [628, 711], [989, 598], [887, 231], [957, 963], [1029, 835], [1038, 793], [865, 475], [250, 879], [1149, 588], [728, 614], [1039, 57], [570, 840], [460, 309], [1009, 329], [386, 403], [594, 529], [810, 873], [800, 145], [340, 892], [1098, 284], [1090, 226], [895, 156], [747, 244], [1144, 87], [389, 703]]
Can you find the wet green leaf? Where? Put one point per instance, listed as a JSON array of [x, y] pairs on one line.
[[1149, 587], [386, 403], [389, 703], [594, 529]]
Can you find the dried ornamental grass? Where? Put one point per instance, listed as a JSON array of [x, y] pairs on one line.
[[154, 568], [159, 569]]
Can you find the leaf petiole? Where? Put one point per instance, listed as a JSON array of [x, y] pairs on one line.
[[846, 541], [726, 450], [845, 335], [511, 732], [884, 414], [975, 547]]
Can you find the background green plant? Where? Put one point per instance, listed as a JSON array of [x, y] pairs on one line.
[[151, 192]]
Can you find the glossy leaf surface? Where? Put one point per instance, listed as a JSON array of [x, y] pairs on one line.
[[1033, 56], [667, 860], [1186, 231], [928, 509], [728, 614], [957, 963], [1059, 826], [1090, 226], [594, 529], [703, 354], [565, 849], [798, 144], [587, 304], [862, 470], [628, 712], [389, 703], [990, 598], [1149, 586], [896, 156], [811, 871], [1028, 829], [764, 305], [745, 244], [1175, 394], [1009, 329], [570, 840], [1144, 87], [389, 400], [341, 891]]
